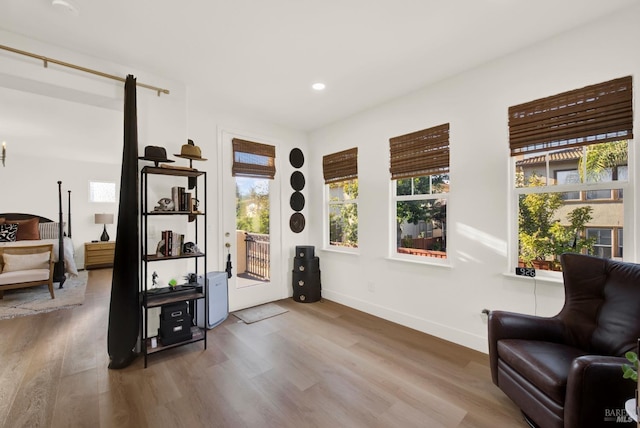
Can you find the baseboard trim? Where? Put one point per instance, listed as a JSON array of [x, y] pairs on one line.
[[460, 337]]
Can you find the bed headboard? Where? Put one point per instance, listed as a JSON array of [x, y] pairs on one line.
[[21, 216]]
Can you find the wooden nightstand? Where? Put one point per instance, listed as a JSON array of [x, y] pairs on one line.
[[99, 254]]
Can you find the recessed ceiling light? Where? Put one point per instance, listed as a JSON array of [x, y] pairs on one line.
[[318, 86], [66, 6]]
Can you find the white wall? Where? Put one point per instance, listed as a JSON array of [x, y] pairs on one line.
[[207, 124], [447, 302]]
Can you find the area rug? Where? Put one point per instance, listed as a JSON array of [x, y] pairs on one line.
[[259, 313], [35, 300]]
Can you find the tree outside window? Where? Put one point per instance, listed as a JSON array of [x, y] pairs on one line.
[[252, 205], [343, 213], [421, 215]]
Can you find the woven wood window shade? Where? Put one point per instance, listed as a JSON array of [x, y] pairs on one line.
[[590, 115], [340, 166], [420, 153], [253, 159]]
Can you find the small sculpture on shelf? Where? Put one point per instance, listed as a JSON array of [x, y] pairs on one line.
[[194, 206], [154, 279], [165, 204], [190, 248], [160, 251]]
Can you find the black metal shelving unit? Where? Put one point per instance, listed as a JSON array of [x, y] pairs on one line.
[[189, 293]]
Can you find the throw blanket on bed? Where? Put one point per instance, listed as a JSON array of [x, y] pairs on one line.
[[69, 262]]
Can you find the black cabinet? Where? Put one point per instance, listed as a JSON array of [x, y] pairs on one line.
[[178, 303], [306, 275]]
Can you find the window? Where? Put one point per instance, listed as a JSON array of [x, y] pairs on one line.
[[102, 191], [570, 155], [607, 243], [419, 166], [340, 172], [570, 176], [602, 242]]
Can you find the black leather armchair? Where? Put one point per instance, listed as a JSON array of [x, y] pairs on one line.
[[565, 371]]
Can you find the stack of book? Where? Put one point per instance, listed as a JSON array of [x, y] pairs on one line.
[[181, 199], [173, 243]]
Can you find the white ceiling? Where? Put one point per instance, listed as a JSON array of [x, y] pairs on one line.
[[261, 56]]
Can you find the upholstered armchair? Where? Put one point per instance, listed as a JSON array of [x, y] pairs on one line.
[[26, 266], [565, 371]]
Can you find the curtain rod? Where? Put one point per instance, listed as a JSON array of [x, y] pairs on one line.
[[46, 62]]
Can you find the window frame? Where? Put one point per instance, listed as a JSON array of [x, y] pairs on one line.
[[598, 244], [625, 186], [591, 115], [327, 246], [423, 153], [395, 198], [339, 167]]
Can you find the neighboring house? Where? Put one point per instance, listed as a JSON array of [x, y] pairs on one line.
[[607, 205]]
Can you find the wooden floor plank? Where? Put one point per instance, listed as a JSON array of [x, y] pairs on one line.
[[317, 365]]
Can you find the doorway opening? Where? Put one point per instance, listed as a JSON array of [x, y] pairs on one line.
[[252, 231]]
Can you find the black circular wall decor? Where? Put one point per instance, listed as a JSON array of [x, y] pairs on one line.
[[297, 180], [296, 158], [296, 201], [296, 222]]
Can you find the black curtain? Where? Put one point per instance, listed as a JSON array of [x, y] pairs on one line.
[[124, 310]]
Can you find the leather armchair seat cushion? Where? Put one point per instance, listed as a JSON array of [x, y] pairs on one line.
[[546, 365]]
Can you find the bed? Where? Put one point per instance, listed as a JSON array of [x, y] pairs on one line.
[[37, 230]]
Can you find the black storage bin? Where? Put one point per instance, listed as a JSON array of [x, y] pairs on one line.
[[306, 276], [173, 310], [175, 324]]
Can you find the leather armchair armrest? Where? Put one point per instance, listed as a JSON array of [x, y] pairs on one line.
[[596, 392], [511, 325]]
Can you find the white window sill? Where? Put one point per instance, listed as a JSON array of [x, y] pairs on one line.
[[351, 252], [427, 261], [544, 278]]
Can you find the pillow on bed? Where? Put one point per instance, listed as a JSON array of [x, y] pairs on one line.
[[50, 230], [2, 220], [8, 232], [16, 262], [27, 229]]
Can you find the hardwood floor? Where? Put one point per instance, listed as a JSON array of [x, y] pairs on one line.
[[318, 365]]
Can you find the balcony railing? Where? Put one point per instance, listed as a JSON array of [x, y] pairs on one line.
[[257, 255]]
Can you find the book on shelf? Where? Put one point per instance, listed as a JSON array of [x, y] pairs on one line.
[[175, 197], [165, 239], [176, 246], [187, 201]]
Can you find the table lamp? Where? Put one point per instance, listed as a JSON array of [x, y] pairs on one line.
[[104, 219]]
